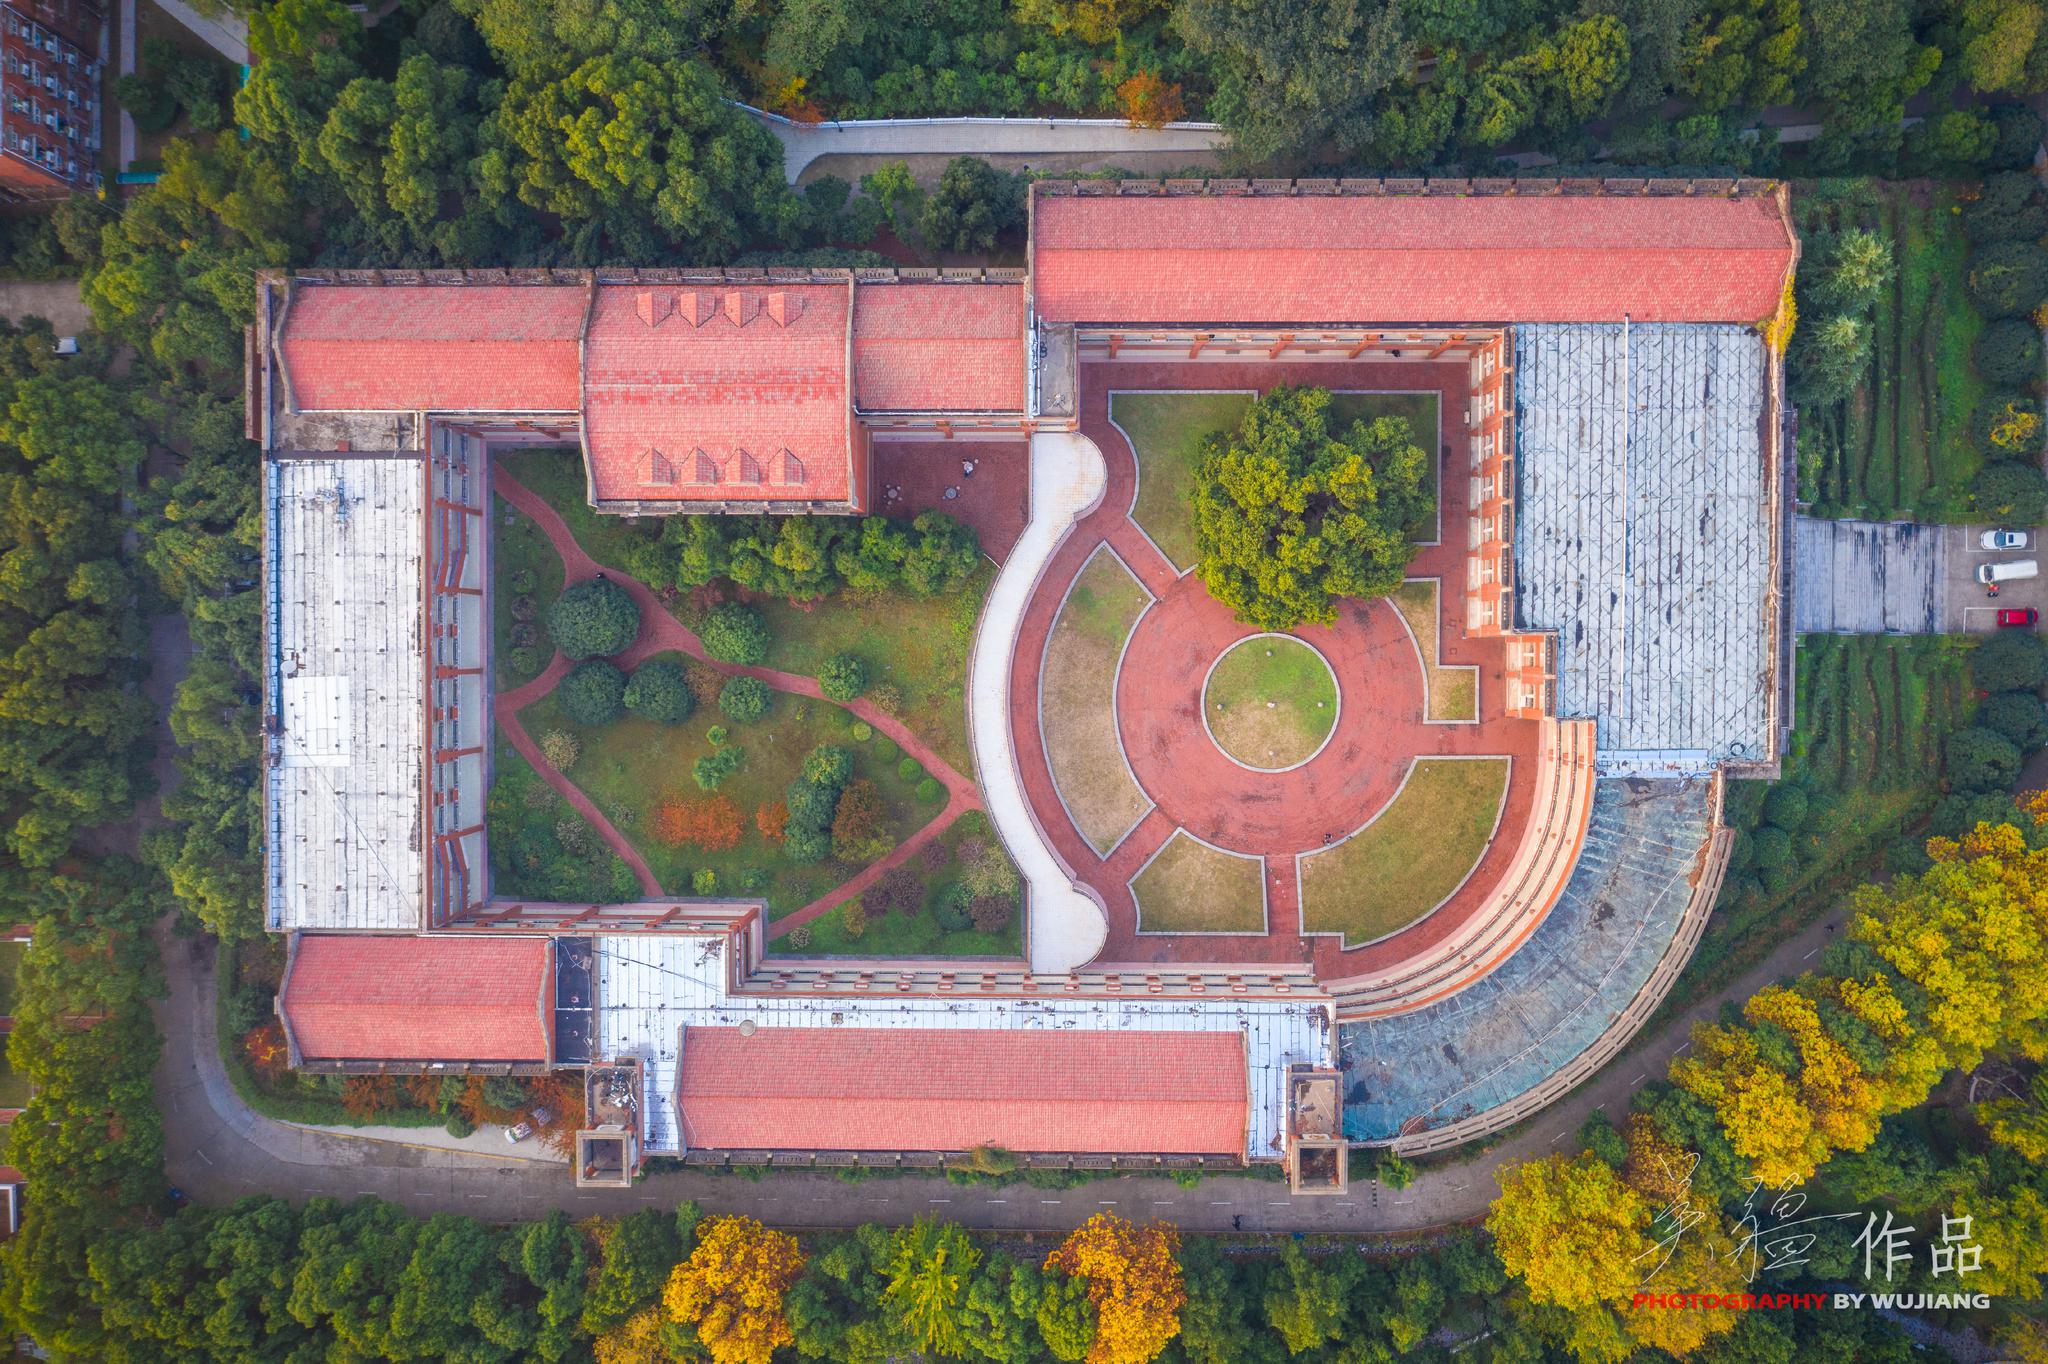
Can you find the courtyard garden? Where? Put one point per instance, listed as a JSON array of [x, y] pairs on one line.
[[1270, 702], [1190, 887], [1170, 430], [1413, 855], [719, 776], [1077, 697]]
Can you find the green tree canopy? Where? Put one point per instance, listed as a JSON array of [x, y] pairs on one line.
[[1291, 516], [593, 619]]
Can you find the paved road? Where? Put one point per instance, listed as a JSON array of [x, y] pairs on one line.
[[1073, 141], [56, 300], [1901, 577]]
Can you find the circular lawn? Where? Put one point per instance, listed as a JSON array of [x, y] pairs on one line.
[[1270, 702]]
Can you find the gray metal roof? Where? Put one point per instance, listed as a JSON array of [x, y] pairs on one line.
[[343, 691], [1641, 536]]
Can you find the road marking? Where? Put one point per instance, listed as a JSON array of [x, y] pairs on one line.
[[1397, 1203], [1562, 1135], [1048, 1200], [1281, 1204], [1809, 954], [1219, 1202], [1682, 1046], [998, 1200], [199, 1152], [1639, 1079], [938, 1200], [1597, 1107], [1105, 1202]]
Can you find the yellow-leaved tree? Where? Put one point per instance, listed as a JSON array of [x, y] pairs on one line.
[[731, 1289], [1134, 1281], [1571, 1231]]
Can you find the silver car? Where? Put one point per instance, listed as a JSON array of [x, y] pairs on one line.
[[2003, 539]]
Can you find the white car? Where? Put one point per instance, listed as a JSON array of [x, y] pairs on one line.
[[2003, 539], [518, 1132]]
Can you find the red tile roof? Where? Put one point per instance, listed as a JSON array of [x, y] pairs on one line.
[[394, 348], [703, 393], [934, 1089], [1408, 259], [388, 998], [939, 347]]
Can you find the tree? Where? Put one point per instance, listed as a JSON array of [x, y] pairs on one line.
[[2011, 492], [1306, 1299], [592, 693], [2007, 279], [732, 633], [2016, 716], [1863, 60], [660, 691], [2009, 207], [731, 1289], [715, 766], [974, 205], [551, 1255], [1742, 55], [842, 677], [744, 699], [2010, 660], [1828, 358], [638, 1252], [593, 619], [2002, 48], [1134, 1283], [711, 823], [942, 555], [2008, 352], [1290, 517], [930, 1268], [858, 832], [1147, 101]]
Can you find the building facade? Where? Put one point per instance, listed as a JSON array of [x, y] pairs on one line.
[[49, 98]]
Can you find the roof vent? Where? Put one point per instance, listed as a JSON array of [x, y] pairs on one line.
[[785, 307], [660, 468], [741, 307], [792, 469], [707, 470], [695, 308], [748, 469], [654, 306]]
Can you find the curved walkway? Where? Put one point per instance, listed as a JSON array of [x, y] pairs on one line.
[[1066, 926], [661, 632], [803, 143]]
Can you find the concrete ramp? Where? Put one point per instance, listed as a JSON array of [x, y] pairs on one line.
[[1866, 577]]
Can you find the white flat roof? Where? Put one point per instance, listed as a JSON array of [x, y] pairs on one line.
[[343, 542], [650, 986]]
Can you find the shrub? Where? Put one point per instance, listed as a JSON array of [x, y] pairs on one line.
[[526, 662], [955, 908], [843, 677], [1979, 759], [704, 881], [504, 1093], [885, 747], [771, 819], [744, 700], [989, 873], [560, 749], [524, 607], [2008, 354], [705, 681], [711, 823], [934, 856], [717, 735], [828, 765], [2007, 279], [593, 619], [459, 1125], [1772, 848], [929, 790], [733, 633], [861, 731], [147, 101], [753, 879], [2018, 134], [2017, 716], [800, 936], [2008, 426], [909, 769], [886, 697], [2011, 660], [810, 804], [592, 693], [659, 691], [857, 832], [715, 766], [853, 918], [806, 844], [523, 582], [575, 836], [1785, 806], [2007, 208], [898, 891], [2012, 492], [991, 913]]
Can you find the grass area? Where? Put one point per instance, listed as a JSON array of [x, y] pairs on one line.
[[1412, 857], [915, 650], [1270, 701], [1873, 713], [1422, 411], [1899, 445], [556, 474], [1168, 431], [919, 934], [541, 849], [526, 577], [1451, 693], [1190, 887], [1077, 701]]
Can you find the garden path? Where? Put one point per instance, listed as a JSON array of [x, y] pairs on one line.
[[661, 632]]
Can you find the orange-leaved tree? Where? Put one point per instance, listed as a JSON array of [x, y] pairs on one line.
[[731, 1289], [1134, 1281], [1149, 102], [711, 822]]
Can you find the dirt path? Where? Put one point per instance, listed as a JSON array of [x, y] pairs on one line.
[[660, 633]]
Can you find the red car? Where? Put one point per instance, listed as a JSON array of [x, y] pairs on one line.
[[2023, 617]]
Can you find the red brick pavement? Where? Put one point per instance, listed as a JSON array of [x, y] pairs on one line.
[[661, 632], [995, 499], [1380, 726]]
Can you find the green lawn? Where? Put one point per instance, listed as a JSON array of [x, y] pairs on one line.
[[1270, 701], [531, 859], [1168, 431], [556, 474], [918, 935], [1190, 887], [1077, 701], [1453, 692], [914, 646], [521, 557], [1412, 857]]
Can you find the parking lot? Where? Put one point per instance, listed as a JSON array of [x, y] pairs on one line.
[[1966, 606], [1896, 577]]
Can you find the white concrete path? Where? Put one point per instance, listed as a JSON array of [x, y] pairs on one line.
[[803, 143], [226, 33], [1066, 927]]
